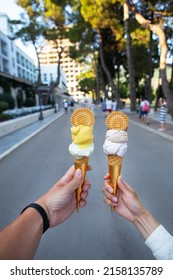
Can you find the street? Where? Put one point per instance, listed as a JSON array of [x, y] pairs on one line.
[[93, 233]]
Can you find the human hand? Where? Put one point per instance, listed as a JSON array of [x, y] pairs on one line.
[[60, 201], [126, 203]]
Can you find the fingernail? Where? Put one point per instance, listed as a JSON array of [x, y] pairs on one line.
[[114, 198], [78, 173], [111, 190]]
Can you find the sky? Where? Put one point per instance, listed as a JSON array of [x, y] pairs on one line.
[[13, 11]]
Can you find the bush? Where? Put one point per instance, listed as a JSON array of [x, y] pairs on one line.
[[10, 100], [3, 106], [29, 102], [4, 117]]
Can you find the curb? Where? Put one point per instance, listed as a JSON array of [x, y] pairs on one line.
[[168, 137], [6, 153]]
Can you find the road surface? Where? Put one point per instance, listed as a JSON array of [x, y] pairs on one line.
[[93, 233]]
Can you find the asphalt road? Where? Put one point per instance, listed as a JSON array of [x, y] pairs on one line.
[[93, 233]]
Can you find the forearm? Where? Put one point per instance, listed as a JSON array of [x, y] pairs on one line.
[[146, 224], [20, 239]]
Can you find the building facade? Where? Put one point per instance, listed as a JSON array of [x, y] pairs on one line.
[[49, 58], [15, 65], [13, 60]]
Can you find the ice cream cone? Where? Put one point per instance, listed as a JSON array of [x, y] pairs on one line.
[[117, 121], [81, 116], [114, 168], [81, 164]]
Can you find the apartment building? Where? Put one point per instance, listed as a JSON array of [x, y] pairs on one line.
[[13, 61], [19, 69], [16, 67], [69, 68]]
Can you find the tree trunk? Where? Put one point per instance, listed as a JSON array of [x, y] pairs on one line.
[[130, 60], [158, 95], [39, 82], [96, 70], [59, 64], [167, 92], [171, 81], [97, 84], [106, 70], [149, 75], [103, 82], [157, 29]]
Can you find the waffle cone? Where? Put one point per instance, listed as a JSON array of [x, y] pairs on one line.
[[114, 167], [82, 116], [119, 121], [81, 164]]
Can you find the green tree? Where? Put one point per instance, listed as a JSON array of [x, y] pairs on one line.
[[103, 15], [84, 49], [87, 84]]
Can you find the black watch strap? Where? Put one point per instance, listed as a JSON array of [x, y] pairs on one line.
[[42, 212]]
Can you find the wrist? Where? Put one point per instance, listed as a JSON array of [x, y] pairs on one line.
[[146, 223], [43, 214], [42, 202]]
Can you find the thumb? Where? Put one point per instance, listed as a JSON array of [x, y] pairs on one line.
[[76, 181]]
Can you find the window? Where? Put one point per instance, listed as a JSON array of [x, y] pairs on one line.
[[13, 63], [18, 70], [22, 61], [18, 57], [45, 77], [51, 77], [12, 46]]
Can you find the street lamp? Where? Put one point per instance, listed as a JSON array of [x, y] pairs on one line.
[[40, 104], [39, 93]]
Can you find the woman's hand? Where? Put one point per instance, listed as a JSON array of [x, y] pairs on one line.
[[128, 205]]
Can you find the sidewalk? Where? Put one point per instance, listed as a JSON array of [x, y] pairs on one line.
[[154, 123], [13, 140]]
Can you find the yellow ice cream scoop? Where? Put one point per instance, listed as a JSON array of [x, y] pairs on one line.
[[82, 135]]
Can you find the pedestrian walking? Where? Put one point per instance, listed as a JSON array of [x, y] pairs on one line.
[[163, 114], [65, 106], [103, 106], [72, 105], [108, 106], [114, 105], [144, 108]]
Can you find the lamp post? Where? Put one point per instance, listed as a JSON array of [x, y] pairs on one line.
[[39, 93], [40, 105]]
